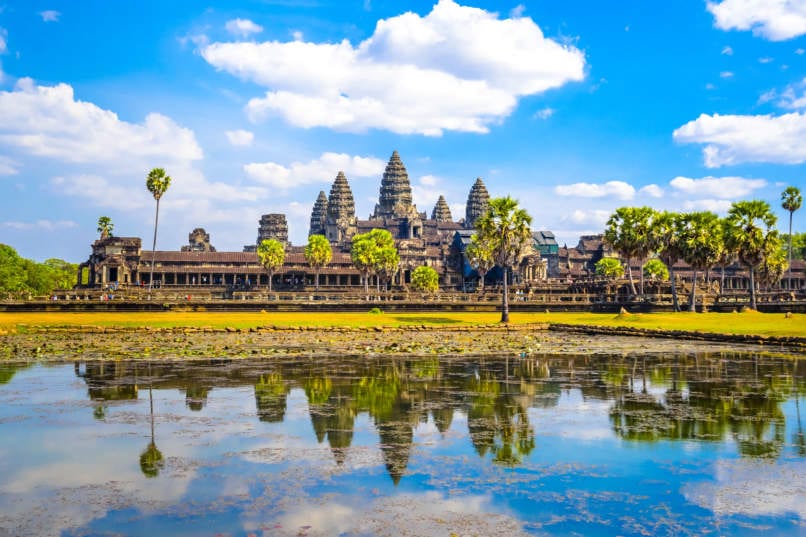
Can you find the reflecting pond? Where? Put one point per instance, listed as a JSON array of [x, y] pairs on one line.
[[697, 444]]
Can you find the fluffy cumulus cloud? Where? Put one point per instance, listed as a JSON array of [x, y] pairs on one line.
[[243, 27], [457, 68], [792, 97], [776, 20], [715, 206], [47, 121], [615, 189], [735, 139], [722, 188], [653, 191], [320, 170], [240, 137]]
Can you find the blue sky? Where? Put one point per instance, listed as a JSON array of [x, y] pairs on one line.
[[253, 106]]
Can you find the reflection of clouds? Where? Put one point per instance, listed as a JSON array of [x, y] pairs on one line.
[[425, 514], [753, 488]]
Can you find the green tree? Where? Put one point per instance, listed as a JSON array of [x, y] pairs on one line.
[[480, 258], [609, 267], [702, 244], [65, 274], [13, 273], [318, 254], [271, 255], [665, 240], [387, 263], [157, 183], [105, 227], [798, 244], [374, 252], [504, 229], [791, 200], [628, 232], [750, 230], [774, 265], [655, 270], [425, 279]]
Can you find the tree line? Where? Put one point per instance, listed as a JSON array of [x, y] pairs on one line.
[[703, 240], [20, 277]]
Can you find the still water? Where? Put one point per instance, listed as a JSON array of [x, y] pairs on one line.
[[701, 444]]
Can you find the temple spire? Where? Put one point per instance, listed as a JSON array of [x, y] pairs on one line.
[[477, 203], [319, 215], [395, 199], [441, 212]]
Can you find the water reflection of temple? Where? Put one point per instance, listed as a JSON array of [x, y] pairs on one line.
[[702, 398]]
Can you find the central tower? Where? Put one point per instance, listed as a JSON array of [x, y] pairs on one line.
[[395, 200]]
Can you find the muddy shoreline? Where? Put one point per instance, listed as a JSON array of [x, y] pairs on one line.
[[115, 343]]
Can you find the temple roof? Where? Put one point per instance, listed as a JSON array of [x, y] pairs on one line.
[[477, 202], [340, 203]]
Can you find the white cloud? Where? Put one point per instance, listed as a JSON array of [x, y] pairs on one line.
[[297, 35], [593, 217], [50, 15], [653, 191], [710, 87], [47, 121], [517, 11], [776, 20], [734, 139], [8, 166], [458, 68], [321, 170], [800, 51], [726, 74], [544, 113], [41, 225], [429, 180], [766, 59], [240, 137], [617, 189], [715, 206], [243, 27], [724, 188], [3, 42], [727, 51], [792, 97]]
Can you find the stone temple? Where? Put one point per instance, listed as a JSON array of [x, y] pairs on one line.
[[436, 241]]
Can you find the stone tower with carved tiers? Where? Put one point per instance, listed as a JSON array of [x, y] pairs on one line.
[[341, 223], [319, 216], [441, 212], [395, 200], [273, 226], [477, 203]]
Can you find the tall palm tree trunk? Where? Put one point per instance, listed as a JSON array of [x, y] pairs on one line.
[[789, 268], [153, 249], [692, 305], [675, 303], [505, 301], [753, 287], [641, 276], [629, 274]]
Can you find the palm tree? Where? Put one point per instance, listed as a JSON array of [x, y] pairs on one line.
[[750, 230], [151, 459], [791, 200], [272, 255], [504, 229], [318, 253], [664, 238], [480, 258], [702, 244], [157, 183], [628, 232], [105, 227]]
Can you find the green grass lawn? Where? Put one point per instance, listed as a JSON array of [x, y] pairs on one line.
[[768, 324]]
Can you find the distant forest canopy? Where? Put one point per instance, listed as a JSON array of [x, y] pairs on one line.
[[20, 276], [798, 245]]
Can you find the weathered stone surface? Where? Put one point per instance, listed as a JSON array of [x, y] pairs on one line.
[[395, 200], [441, 212], [341, 222], [477, 203], [198, 241], [273, 226], [319, 215]]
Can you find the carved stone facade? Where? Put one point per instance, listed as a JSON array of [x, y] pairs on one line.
[[477, 203], [319, 216], [273, 226], [198, 241], [441, 212], [341, 223], [395, 200]]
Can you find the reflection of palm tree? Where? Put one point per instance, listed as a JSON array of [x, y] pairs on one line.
[[151, 461]]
